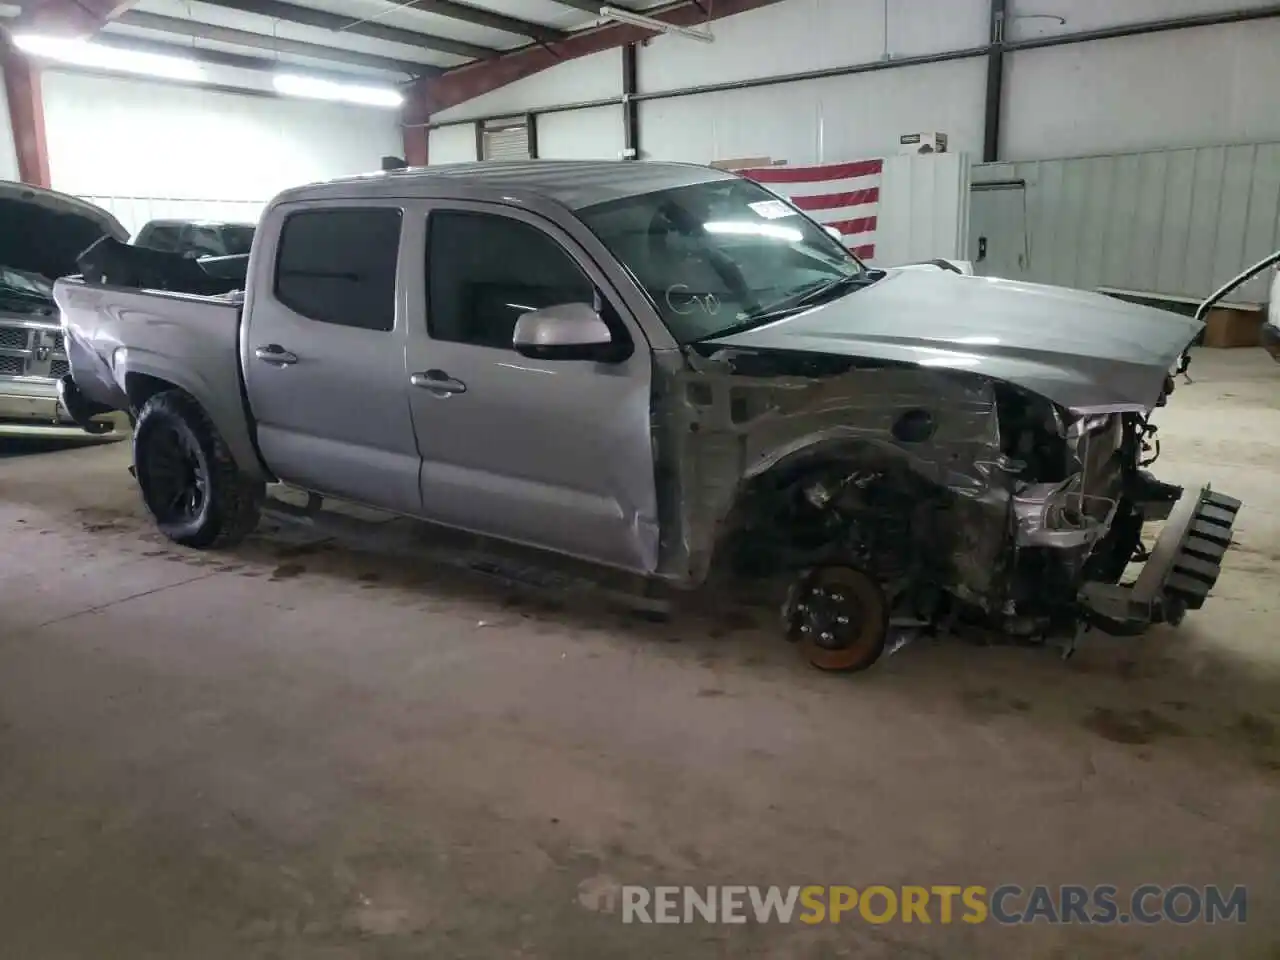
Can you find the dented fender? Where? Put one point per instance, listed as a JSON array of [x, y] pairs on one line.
[[727, 417]]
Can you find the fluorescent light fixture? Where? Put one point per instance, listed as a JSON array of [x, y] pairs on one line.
[[81, 53], [747, 228], [295, 86], [650, 23]]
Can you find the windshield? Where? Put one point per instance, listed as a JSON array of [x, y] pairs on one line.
[[720, 256], [24, 283]]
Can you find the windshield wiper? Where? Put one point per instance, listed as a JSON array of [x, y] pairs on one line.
[[833, 290], [830, 290], [824, 293]]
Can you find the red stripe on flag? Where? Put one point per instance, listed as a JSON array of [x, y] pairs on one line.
[[829, 171], [865, 252], [860, 225], [830, 201]]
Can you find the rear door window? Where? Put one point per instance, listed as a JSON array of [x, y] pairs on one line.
[[338, 265]]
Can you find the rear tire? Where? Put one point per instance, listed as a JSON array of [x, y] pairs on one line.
[[190, 484]]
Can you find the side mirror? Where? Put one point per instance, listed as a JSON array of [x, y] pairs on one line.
[[566, 331], [834, 234]]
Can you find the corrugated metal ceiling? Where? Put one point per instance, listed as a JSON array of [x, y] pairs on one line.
[[383, 38]]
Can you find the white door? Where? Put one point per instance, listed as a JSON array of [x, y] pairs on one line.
[[998, 240]]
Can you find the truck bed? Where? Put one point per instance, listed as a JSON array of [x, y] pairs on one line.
[[181, 340]]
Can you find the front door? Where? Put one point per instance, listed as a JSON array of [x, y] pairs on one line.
[[552, 453], [323, 353]]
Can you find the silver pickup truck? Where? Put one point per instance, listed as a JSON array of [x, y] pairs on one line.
[[660, 368], [41, 233]]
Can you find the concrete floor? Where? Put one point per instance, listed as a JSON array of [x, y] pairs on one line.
[[310, 752]]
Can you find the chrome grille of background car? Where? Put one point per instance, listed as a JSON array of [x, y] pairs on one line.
[[32, 352]]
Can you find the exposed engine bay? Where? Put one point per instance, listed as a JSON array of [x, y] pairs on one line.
[[941, 498]]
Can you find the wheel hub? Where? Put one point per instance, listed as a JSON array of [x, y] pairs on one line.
[[177, 477], [840, 618], [830, 616]]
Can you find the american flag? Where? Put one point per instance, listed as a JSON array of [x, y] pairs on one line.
[[841, 195]]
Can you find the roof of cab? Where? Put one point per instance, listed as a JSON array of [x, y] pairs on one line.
[[573, 183]]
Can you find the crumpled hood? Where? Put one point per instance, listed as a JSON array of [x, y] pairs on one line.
[[43, 232], [1085, 351]]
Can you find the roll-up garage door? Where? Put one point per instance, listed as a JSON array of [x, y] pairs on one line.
[[506, 139]]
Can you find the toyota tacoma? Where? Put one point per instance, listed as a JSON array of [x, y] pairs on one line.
[[663, 368]]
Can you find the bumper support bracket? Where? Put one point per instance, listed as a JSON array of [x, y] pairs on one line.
[[1183, 567]]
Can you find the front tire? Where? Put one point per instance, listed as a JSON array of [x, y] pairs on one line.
[[190, 484]]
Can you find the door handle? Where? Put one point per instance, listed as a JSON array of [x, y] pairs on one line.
[[438, 382], [276, 355]]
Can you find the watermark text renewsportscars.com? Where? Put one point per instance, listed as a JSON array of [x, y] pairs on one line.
[[1008, 904]]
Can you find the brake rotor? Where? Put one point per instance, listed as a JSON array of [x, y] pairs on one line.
[[840, 618]]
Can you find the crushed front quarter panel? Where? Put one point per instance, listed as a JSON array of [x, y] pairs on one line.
[[724, 419]]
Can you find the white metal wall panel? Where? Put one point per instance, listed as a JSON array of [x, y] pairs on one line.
[[8, 150], [593, 134], [820, 121], [924, 209], [1082, 15], [802, 35], [1181, 88], [588, 78], [454, 144], [129, 137], [1172, 222]]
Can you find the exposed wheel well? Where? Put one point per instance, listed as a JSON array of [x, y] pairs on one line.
[[141, 387], [826, 503]]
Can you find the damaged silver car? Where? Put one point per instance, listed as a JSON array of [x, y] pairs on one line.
[[666, 369]]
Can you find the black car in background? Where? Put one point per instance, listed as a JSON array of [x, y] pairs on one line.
[[196, 238]]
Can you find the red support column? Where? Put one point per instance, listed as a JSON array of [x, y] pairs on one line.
[[413, 130], [26, 116], [415, 145]]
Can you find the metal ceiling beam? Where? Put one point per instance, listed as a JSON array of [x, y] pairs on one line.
[[470, 80], [593, 6], [590, 6], [244, 38], [222, 58], [487, 18], [325, 20], [73, 18], [292, 13]]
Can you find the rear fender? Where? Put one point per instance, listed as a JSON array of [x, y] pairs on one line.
[[139, 374]]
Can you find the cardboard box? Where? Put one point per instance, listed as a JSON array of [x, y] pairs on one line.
[[922, 143], [1230, 327]]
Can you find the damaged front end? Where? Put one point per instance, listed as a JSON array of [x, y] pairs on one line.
[[900, 497]]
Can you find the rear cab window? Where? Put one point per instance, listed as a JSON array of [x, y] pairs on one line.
[[338, 265]]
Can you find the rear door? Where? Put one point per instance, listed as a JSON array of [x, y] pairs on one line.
[[323, 352], [557, 454]]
